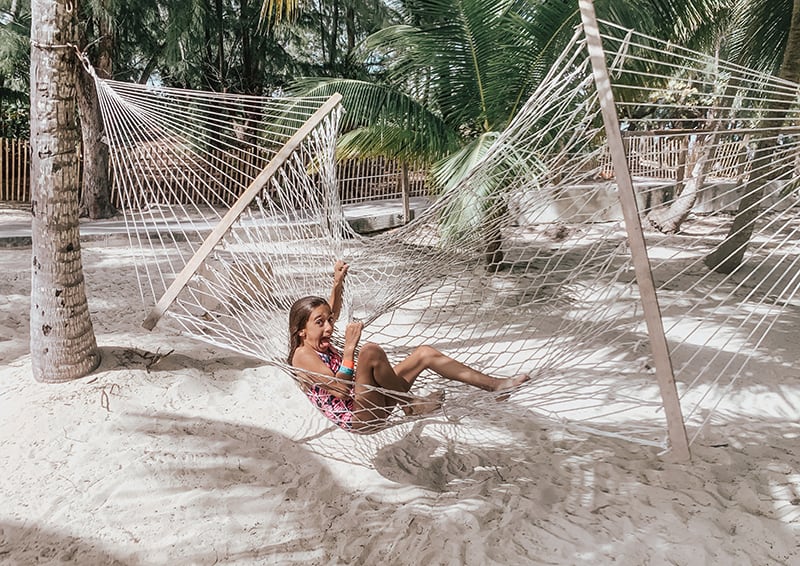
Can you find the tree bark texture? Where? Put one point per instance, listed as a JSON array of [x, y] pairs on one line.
[[63, 344], [96, 185], [96, 190]]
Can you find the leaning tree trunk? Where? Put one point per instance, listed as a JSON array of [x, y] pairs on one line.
[[493, 232], [63, 344], [96, 194], [730, 253], [669, 220]]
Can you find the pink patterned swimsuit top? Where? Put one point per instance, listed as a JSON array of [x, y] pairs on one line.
[[332, 359], [340, 411]]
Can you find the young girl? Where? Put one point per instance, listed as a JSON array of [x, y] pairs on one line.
[[349, 397]]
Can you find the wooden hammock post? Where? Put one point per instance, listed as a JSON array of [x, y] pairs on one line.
[[236, 209], [678, 440]]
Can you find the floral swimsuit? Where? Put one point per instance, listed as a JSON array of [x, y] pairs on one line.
[[340, 411]]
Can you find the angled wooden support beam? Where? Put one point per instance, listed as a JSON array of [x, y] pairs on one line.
[[679, 443], [236, 209]]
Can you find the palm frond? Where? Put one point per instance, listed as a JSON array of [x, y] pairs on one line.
[[276, 11], [454, 52], [380, 113], [759, 32], [478, 182]]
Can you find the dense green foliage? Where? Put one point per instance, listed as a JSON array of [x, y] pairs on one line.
[[221, 45], [15, 25], [425, 78]]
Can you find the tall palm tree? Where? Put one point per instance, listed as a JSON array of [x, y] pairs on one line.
[[450, 77], [96, 30], [454, 73], [63, 344], [783, 29]]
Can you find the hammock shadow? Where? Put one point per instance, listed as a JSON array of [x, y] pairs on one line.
[[263, 475], [549, 483], [264, 498], [434, 462], [567, 483]]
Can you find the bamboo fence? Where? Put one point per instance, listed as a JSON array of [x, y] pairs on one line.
[[359, 180], [662, 155], [671, 155]]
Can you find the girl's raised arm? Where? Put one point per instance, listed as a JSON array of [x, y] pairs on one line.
[[339, 272]]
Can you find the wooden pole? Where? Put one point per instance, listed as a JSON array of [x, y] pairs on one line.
[[405, 193], [23, 152], [236, 209], [678, 440], [5, 178]]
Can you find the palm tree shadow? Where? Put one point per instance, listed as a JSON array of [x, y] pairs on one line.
[[263, 474], [115, 358], [31, 544]]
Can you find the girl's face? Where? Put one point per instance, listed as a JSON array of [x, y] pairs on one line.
[[318, 330]]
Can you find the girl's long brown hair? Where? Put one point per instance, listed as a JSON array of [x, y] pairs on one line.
[[298, 318]]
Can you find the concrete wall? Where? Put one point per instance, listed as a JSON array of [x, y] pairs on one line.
[[599, 202]]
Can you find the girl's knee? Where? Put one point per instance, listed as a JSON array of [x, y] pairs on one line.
[[426, 352], [370, 351]]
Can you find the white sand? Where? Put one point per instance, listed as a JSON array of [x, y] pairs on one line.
[[213, 458]]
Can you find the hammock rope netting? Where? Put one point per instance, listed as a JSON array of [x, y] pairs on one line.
[[554, 296]]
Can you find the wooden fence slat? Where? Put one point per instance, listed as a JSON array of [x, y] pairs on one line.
[[20, 174], [3, 175], [27, 169]]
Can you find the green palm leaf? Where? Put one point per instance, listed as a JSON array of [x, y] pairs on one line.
[[384, 120]]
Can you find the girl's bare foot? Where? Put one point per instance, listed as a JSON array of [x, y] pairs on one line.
[[506, 386], [424, 405]]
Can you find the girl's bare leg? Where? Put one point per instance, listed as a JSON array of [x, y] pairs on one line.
[[374, 370], [426, 357]]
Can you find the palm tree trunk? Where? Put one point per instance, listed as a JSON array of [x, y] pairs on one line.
[[63, 344], [96, 190], [730, 253], [669, 220], [334, 37], [493, 229]]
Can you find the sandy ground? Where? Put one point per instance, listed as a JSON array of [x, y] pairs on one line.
[[209, 457]]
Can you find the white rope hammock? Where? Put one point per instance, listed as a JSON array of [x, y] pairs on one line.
[[561, 303]]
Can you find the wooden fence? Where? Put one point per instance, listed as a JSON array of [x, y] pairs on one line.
[[359, 180], [15, 166], [671, 155], [665, 155]]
